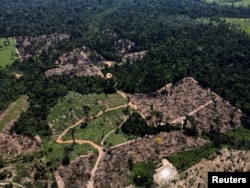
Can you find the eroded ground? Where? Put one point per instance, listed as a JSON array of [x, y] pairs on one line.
[[34, 45], [76, 62], [173, 103]]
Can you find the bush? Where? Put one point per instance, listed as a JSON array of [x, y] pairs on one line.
[[66, 161], [1, 163], [142, 174]]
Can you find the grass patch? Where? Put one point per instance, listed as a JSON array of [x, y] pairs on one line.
[[34, 168], [116, 138], [7, 51], [55, 152], [141, 174], [22, 172], [114, 100], [241, 23], [240, 133], [236, 3], [185, 159], [97, 128], [81, 149], [19, 106], [239, 138], [70, 108]]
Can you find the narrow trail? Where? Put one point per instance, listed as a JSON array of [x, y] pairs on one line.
[[86, 57], [182, 118], [130, 104], [13, 183], [125, 143], [17, 51], [107, 135]]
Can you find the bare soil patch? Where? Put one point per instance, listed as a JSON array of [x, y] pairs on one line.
[[165, 173], [78, 172], [76, 62], [187, 98], [33, 46], [12, 144], [109, 63], [131, 57], [122, 46]]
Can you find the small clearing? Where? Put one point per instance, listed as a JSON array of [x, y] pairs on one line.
[[8, 52], [76, 62], [33, 46], [131, 57], [13, 112]]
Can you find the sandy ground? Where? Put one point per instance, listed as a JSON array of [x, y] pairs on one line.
[[109, 63], [165, 165], [108, 75]]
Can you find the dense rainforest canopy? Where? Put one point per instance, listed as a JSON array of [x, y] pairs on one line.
[[178, 41]]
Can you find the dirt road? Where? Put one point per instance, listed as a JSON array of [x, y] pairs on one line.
[[182, 118], [101, 153]]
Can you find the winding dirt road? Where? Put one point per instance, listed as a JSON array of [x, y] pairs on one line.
[[101, 153]]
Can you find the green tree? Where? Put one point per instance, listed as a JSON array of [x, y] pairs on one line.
[[72, 133], [1, 162], [86, 109], [142, 174]]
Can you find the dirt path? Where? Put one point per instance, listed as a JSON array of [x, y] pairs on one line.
[[101, 153], [86, 57], [59, 180], [107, 135], [182, 118], [125, 143], [122, 94], [131, 104], [17, 50]]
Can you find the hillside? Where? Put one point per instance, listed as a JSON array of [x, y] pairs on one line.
[[175, 103]]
